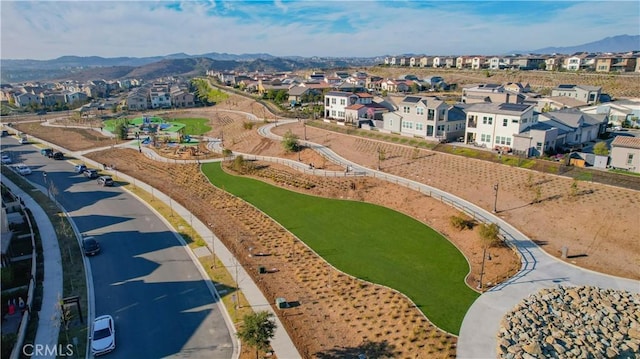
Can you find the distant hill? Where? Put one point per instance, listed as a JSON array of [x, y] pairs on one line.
[[620, 43], [147, 68]]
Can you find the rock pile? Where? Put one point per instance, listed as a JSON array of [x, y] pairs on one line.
[[572, 322]]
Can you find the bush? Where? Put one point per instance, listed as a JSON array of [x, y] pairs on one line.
[[460, 223]]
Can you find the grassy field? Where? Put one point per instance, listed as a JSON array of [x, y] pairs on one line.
[[370, 242], [193, 126]]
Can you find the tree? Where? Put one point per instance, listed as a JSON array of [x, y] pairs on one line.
[[257, 331], [290, 142], [489, 235], [121, 129], [601, 149]]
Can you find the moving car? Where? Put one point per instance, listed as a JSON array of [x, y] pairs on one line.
[[103, 338], [105, 181], [47, 152], [90, 173], [24, 140], [90, 246], [58, 156], [23, 169], [79, 168], [6, 159]]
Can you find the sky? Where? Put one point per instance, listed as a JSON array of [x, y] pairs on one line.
[[45, 30]]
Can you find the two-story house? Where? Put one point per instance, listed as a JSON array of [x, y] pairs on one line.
[[587, 94], [490, 93], [427, 117], [336, 102], [137, 100], [494, 125], [625, 153]]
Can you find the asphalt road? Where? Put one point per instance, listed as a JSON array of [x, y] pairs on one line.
[[143, 277]]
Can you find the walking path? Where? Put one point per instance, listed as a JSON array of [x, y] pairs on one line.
[[480, 327], [49, 314]]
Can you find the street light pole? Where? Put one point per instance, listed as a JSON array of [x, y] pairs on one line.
[[495, 200]]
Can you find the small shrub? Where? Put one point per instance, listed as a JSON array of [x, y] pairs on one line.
[[460, 223]]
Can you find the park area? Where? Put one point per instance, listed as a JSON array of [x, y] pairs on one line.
[[339, 315]]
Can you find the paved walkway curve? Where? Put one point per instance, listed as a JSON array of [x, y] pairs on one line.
[[481, 324]]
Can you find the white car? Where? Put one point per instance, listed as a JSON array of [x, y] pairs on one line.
[[23, 170], [6, 159], [24, 141], [103, 338]]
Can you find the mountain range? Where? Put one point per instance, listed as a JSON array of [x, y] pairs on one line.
[[181, 64]]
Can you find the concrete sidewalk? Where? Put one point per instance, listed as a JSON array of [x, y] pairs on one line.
[[49, 314]]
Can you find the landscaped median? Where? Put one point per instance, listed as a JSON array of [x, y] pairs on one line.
[[369, 242]]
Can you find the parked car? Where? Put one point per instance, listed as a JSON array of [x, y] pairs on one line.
[[24, 140], [23, 169], [5, 133], [103, 337], [79, 168], [105, 181], [6, 159], [90, 246], [91, 173], [58, 156], [47, 152]]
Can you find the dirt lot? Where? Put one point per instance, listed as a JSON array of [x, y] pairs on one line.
[[340, 316]]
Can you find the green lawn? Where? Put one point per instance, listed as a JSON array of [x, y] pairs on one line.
[[193, 126], [370, 242]]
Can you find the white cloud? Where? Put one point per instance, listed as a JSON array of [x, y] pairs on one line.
[[49, 29]]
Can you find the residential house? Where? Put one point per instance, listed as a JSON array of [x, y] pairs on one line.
[[580, 61], [426, 61], [577, 127], [75, 98], [587, 94], [438, 61], [302, 94], [160, 96], [26, 99], [414, 61], [527, 62], [395, 86], [494, 125], [137, 100], [404, 61], [464, 62], [616, 63], [553, 63], [496, 63], [554, 103], [449, 62], [426, 117], [490, 93], [625, 153], [52, 99], [336, 102], [536, 139], [181, 98], [479, 62], [619, 112]]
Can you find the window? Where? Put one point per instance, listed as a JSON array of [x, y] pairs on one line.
[[407, 125], [485, 138], [333, 101], [515, 120], [418, 126], [630, 158], [340, 113], [343, 101], [440, 127], [333, 113], [487, 120], [431, 114], [406, 109], [505, 122], [420, 110]]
